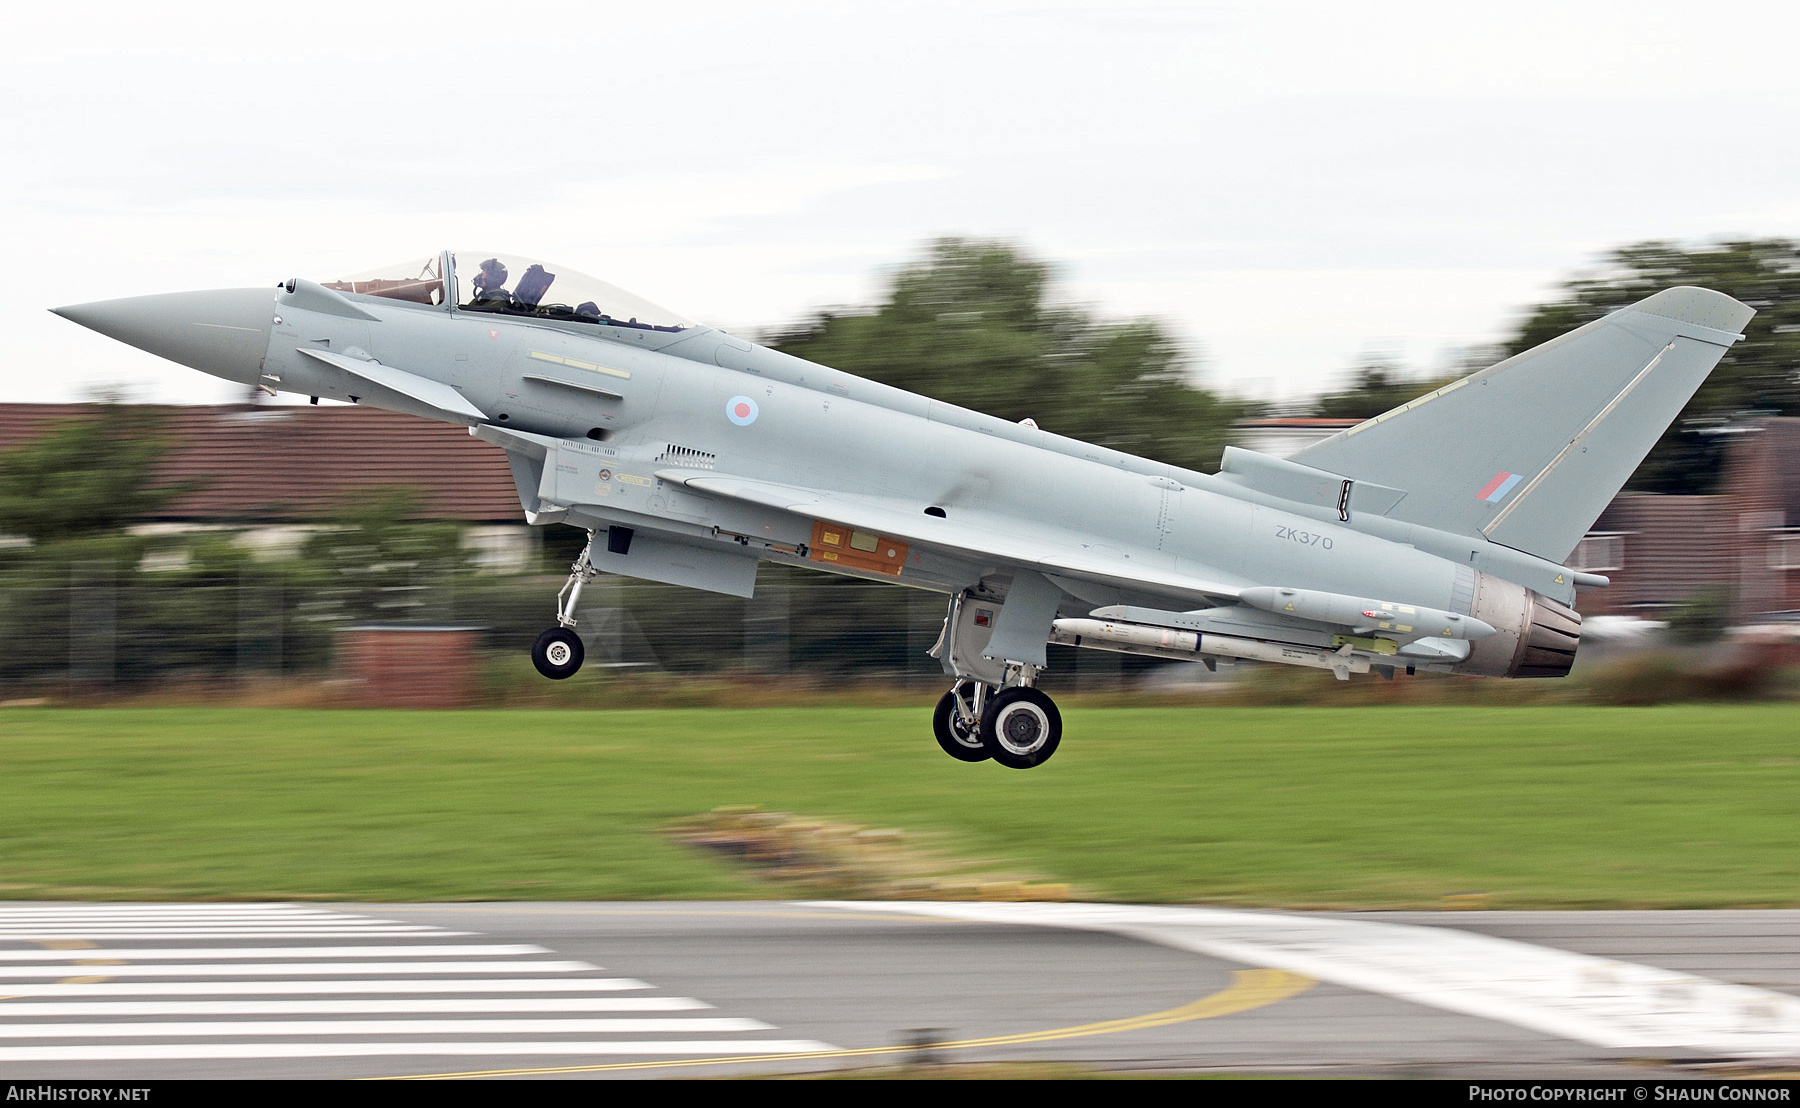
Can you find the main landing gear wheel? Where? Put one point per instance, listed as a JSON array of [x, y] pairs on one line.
[[960, 738], [557, 653], [1021, 727]]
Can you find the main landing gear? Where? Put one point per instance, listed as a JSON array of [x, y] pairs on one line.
[[995, 710], [1017, 725], [558, 652]]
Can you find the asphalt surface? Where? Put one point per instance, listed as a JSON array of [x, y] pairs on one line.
[[699, 989]]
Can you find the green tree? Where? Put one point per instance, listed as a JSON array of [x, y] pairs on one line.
[[85, 477], [377, 561], [1760, 375], [153, 606], [971, 324], [1377, 387]]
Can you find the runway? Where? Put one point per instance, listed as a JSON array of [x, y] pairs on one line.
[[121, 991]]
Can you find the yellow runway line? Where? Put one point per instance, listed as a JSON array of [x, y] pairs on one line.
[[75, 944], [1254, 988]]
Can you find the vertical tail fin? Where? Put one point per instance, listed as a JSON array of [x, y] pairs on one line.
[[1528, 452]]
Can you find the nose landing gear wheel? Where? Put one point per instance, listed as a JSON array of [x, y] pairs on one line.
[[960, 739], [557, 653], [1021, 727]]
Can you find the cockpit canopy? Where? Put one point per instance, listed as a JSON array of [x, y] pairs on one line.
[[420, 281], [507, 284]]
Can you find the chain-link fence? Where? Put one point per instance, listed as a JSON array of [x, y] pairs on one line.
[[100, 625]]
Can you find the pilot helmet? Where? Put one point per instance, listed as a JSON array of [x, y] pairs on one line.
[[492, 275]]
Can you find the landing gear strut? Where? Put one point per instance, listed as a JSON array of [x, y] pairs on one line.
[[1016, 725], [994, 710], [558, 652]]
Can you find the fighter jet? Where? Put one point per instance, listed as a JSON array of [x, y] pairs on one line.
[[1430, 538]]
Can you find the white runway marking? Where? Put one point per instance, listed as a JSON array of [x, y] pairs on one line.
[[158, 1052], [1613, 1004], [280, 969], [71, 910], [433, 1004], [474, 999], [152, 911], [178, 1029], [40, 934], [135, 954], [49, 922], [315, 988]]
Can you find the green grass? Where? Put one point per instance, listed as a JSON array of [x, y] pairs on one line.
[[1690, 806]]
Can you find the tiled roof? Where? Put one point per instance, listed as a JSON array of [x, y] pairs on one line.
[[290, 462]]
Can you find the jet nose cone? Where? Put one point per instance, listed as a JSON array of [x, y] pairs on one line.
[[224, 332]]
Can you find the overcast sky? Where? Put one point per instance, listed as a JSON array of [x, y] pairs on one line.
[[1290, 187]]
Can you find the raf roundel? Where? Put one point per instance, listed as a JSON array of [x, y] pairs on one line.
[[741, 410]]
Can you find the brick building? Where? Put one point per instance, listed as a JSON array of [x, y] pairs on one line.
[[1762, 524], [1743, 542], [1662, 550], [274, 470]]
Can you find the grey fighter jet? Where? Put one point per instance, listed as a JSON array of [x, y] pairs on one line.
[[1429, 538]]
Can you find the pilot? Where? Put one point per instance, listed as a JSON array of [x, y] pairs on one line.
[[490, 283], [588, 310]]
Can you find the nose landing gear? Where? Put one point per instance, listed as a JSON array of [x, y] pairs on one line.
[[558, 652]]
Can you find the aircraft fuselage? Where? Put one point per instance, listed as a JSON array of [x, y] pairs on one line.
[[690, 455]]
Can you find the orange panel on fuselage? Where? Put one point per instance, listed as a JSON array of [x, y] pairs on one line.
[[833, 544]]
